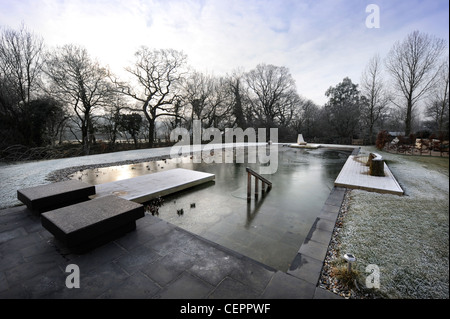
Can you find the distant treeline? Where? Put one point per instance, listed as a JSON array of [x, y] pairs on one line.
[[51, 95]]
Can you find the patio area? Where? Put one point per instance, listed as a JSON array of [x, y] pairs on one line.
[[157, 260]]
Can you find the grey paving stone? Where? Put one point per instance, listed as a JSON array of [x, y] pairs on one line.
[[28, 270], [321, 293], [253, 274], [306, 268], [42, 253], [138, 258], [11, 234], [325, 224], [319, 235], [137, 286], [334, 200], [15, 292], [20, 242], [329, 212], [186, 287], [284, 286], [214, 269], [159, 228], [313, 249], [169, 267], [13, 221], [198, 247], [41, 248], [44, 284], [3, 283], [166, 242], [33, 224], [11, 260], [98, 257], [230, 288], [331, 208], [92, 283], [133, 239]]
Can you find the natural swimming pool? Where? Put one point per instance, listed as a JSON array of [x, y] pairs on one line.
[[269, 229]]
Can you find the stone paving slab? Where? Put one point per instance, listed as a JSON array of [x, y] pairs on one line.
[[157, 260], [143, 188], [286, 286], [55, 195], [355, 175], [84, 225]]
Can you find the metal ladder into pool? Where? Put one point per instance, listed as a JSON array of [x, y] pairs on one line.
[[258, 177]]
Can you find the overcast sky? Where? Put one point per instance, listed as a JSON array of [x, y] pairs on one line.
[[319, 41]]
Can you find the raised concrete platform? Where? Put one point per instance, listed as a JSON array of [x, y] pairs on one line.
[[87, 225], [55, 195], [146, 187], [355, 175]]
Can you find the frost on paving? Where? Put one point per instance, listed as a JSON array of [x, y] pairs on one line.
[[406, 236]]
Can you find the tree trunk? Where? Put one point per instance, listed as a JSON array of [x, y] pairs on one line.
[[408, 119], [151, 132]]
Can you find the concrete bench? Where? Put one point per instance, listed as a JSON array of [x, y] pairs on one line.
[[376, 164], [87, 225], [55, 195]]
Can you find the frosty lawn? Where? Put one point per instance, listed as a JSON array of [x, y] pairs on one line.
[[406, 236]]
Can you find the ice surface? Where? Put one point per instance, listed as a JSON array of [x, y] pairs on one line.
[[23, 175]]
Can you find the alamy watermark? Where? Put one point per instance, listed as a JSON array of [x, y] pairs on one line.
[[373, 279], [259, 149], [373, 19], [73, 280]]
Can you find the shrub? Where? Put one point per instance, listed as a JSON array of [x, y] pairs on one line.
[[382, 139]]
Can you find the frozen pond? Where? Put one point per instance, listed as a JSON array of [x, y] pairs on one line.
[[270, 229]]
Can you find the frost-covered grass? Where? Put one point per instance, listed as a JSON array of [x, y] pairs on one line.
[[406, 236]]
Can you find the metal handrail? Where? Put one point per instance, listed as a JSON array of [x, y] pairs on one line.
[[264, 181]]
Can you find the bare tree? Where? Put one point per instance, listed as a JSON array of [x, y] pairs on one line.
[[438, 106], [158, 74], [273, 94], [112, 117], [235, 84], [413, 65], [377, 97], [21, 62], [197, 89], [305, 119], [81, 83]]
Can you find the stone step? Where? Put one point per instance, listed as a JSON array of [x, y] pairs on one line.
[[84, 226], [47, 197]]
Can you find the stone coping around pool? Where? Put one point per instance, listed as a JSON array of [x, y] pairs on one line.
[[307, 264]]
